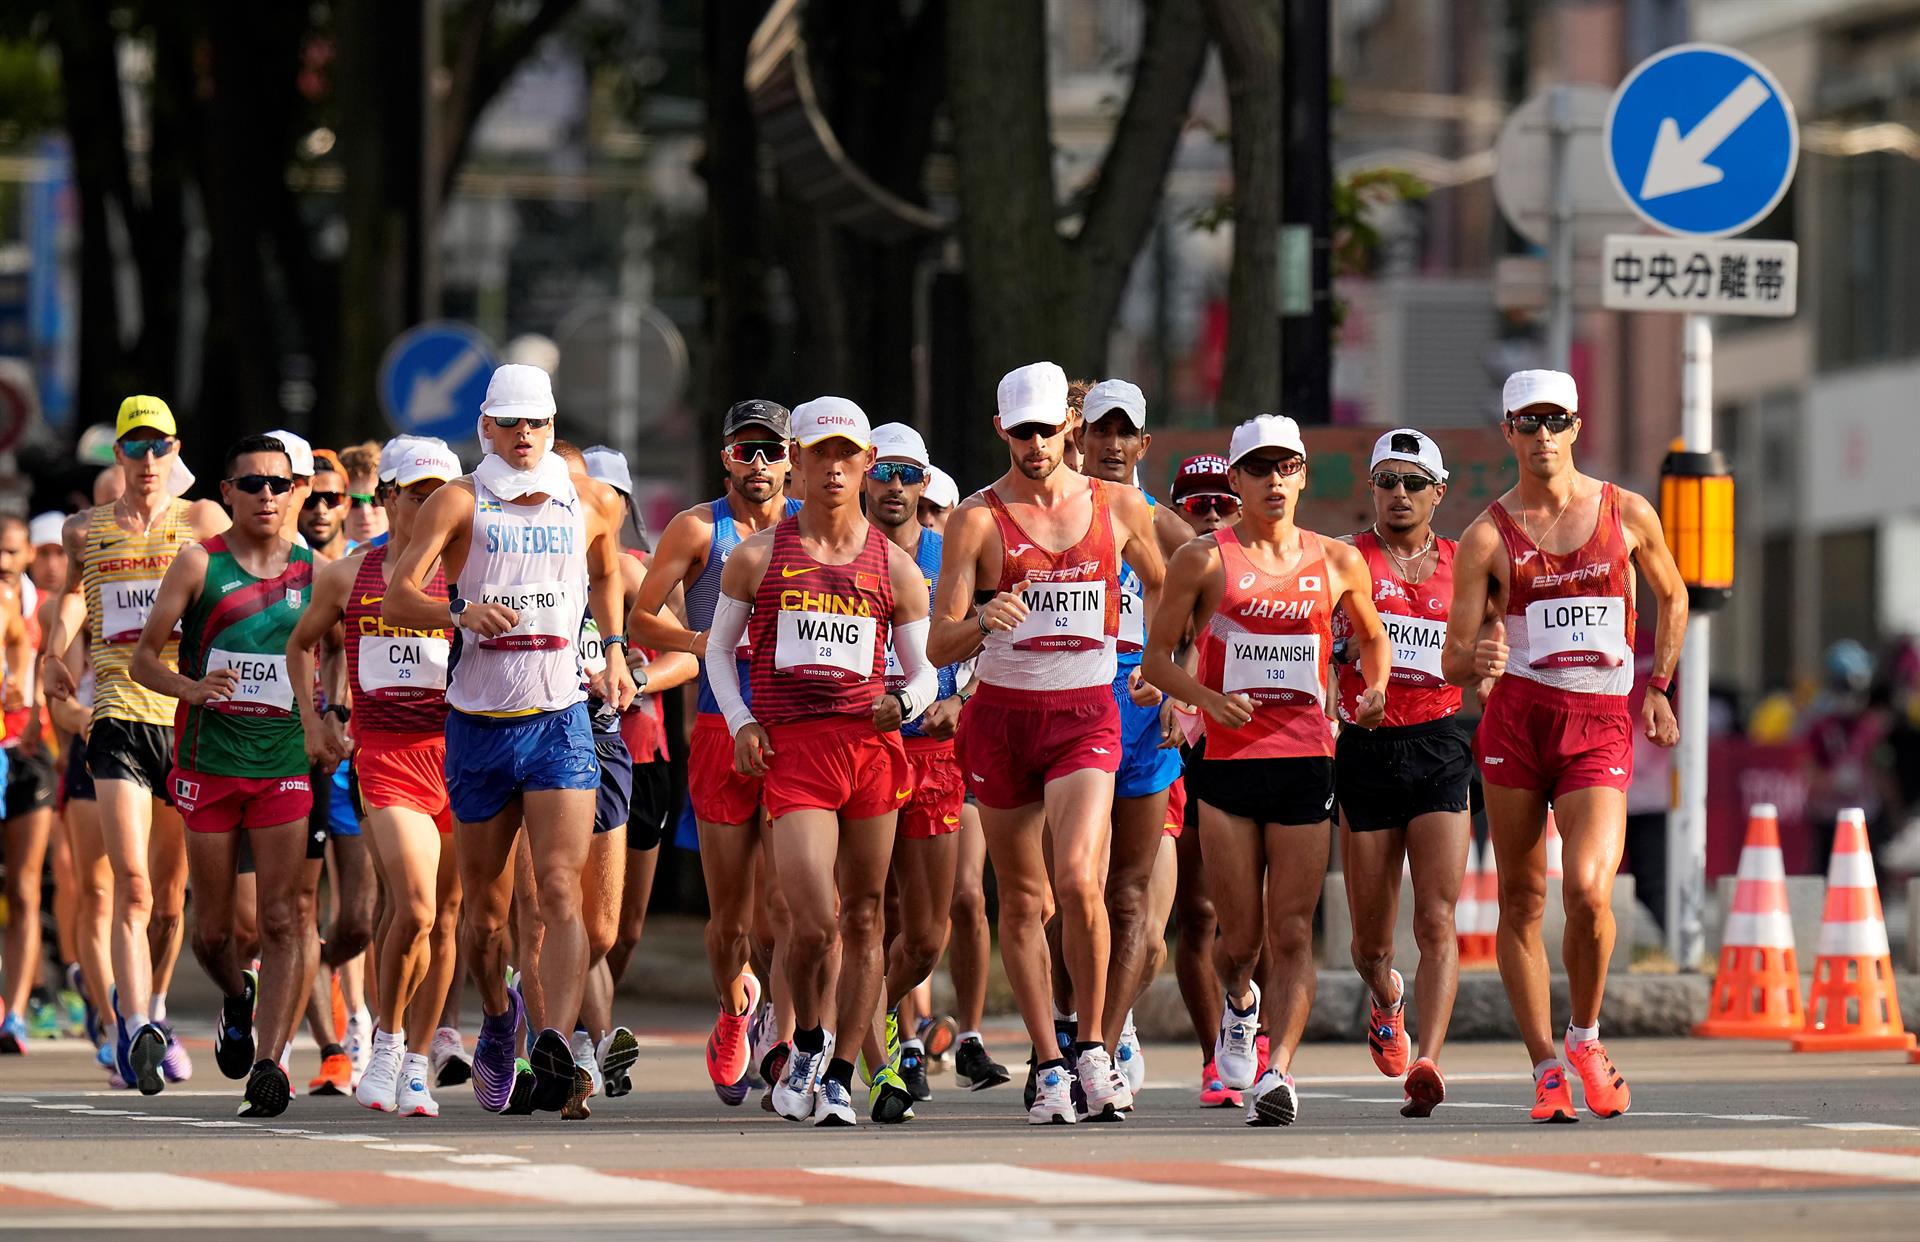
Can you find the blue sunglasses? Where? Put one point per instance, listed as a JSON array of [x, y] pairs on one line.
[[888, 471]]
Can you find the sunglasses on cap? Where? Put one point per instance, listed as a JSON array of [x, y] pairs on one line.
[[360, 499], [254, 484], [329, 500], [1530, 424], [1029, 431], [1201, 506], [1261, 467], [906, 472], [1387, 480], [511, 422], [770, 452], [148, 447]]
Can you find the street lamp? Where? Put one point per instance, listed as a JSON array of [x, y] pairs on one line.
[[1696, 511]]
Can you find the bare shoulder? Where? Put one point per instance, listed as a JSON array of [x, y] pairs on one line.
[[757, 548], [1196, 556], [339, 575], [1480, 540], [1636, 510], [1342, 555]]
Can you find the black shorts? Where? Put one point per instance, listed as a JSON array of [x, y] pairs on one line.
[[79, 782], [1388, 777], [321, 815], [127, 750], [1266, 791], [1190, 755], [30, 781], [652, 804], [614, 798]]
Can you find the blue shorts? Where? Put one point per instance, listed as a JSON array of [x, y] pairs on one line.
[[1144, 767], [615, 796], [343, 819], [492, 760]]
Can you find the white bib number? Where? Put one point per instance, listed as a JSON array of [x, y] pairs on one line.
[[1416, 649], [821, 644], [124, 607], [402, 666], [1273, 668], [1133, 621], [263, 688], [1063, 616], [547, 612], [1582, 631]]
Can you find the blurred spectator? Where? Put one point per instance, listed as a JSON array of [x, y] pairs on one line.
[[1902, 854], [1850, 757]]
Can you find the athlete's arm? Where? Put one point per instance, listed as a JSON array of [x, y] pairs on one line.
[[1468, 658], [909, 620], [739, 583], [67, 714], [1670, 594], [670, 668], [208, 518], [178, 590], [1353, 587], [683, 544], [1192, 591], [19, 654], [953, 635], [1170, 530], [439, 535], [1139, 541], [606, 582], [55, 677], [326, 737]]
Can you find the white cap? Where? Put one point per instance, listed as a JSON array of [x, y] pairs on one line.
[[390, 454], [299, 452], [425, 459], [180, 479], [1409, 445], [518, 390], [47, 528], [900, 441], [941, 491], [1115, 394], [1035, 393], [1525, 388], [825, 417], [1265, 431], [608, 466]]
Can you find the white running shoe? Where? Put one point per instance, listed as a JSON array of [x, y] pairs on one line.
[[1272, 1102], [585, 1055], [360, 1041], [449, 1052], [380, 1082], [1105, 1088], [415, 1100], [1052, 1098], [793, 1095], [833, 1105], [1128, 1057], [1235, 1057]]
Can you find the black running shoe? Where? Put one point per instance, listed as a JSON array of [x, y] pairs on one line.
[[145, 1053], [913, 1072], [520, 1095], [268, 1091], [976, 1071], [233, 1034], [553, 1071]]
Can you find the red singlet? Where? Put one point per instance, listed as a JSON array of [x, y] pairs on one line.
[[1270, 639], [1416, 621], [820, 631]]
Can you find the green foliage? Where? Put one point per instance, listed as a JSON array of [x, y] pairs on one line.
[[29, 91], [1356, 242]]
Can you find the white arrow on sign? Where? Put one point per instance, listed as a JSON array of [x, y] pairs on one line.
[[1680, 164], [431, 397]]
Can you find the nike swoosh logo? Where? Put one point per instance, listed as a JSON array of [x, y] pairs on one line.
[[788, 571], [370, 599], [903, 793]]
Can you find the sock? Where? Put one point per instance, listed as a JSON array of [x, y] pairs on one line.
[[362, 1017], [914, 1044], [1577, 1035], [810, 1039], [332, 1050], [1083, 1046], [414, 1063], [1064, 1017], [134, 1022], [1399, 997], [388, 1039], [159, 1008], [1252, 1008], [840, 1071], [1544, 1066], [582, 1047], [1053, 1063], [964, 1036], [497, 1024]]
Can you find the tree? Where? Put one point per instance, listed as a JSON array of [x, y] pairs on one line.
[[1248, 33]]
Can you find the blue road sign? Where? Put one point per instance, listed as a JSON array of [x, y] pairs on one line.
[[1701, 140], [433, 378]]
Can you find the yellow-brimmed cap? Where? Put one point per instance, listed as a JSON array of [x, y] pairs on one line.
[[137, 412]]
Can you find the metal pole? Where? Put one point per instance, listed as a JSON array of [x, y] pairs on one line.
[[1306, 198], [1687, 825], [1560, 230]]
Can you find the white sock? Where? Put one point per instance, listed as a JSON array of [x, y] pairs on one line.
[[135, 1021], [1577, 1035], [582, 1045], [388, 1039], [159, 1007], [914, 1044], [964, 1036], [1064, 1017], [1544, 1066]]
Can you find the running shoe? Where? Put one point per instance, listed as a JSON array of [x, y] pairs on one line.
[[103, 1055], [727, 1048], [1273, 1102], [761, 1034], [890, 1045], [1213, 1092], [44, 1018], [1234, 1053], [617, 1053], [233, 1049], [1128, 1057], [339, 1002], [336, 1073], [493, 1059], [1052, 1098], [13, 1036], [913, 1071], [1602, 1084], [1264, 1047], [268, 1091], [379, 1085], [937, 1036], [1106, 1092], [122, 1038], [833, 1104], [772, 1067], [889, 1100], [1553, 1097], [1387, 1032], [1426, 1089], [75, 1012], [555, 1080], [520, 1095], [793, 1095], [974, 1069], [413, 1099], [359, 1035], [145, 1054], [448, 1057], [175, 1065], [735, 1095]]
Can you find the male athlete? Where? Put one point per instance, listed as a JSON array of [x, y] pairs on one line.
[[1040, 741], [117, 554], [525, 551], [1258, 595], [1550, 565], [828, 592], [1403, 785], [239, 761]]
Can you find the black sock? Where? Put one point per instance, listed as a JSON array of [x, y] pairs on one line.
[[1083, 1046], [810, 1039], [1055, 1063], [841, 1072], [332, 1050]]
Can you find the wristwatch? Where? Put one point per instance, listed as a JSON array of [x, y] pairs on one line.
[[906, 704], [614, 640], [340, 711], [456, 607], [980, 619]]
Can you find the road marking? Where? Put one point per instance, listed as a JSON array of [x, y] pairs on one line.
[[148, 1192], [347, 1138], [1857, 1127], [577, 1186], [223, 1125], [1432, 1173], [486, 1157], [419, 1147], [1844, 1161], [1012, 1181]]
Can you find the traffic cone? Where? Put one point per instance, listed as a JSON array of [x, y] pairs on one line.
[[1477, 914], [1756, 991], [1852, 1006], [1555, 852], [1466, 911]]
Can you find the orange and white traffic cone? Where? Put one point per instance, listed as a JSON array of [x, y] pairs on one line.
[[1555, 850], [1477, 915], [1852, 1006], [1466, 911], [1756, 991]]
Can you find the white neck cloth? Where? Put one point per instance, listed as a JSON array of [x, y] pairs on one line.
[[549, 478]]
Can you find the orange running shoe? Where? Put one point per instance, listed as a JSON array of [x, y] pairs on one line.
[[1605, 1089], [335, 1077], [1387, 1033], [1426, 1089], [1553, 1098], [729, 1048]]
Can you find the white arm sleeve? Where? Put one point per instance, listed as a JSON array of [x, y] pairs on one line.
[[923, 679], [723, 671]]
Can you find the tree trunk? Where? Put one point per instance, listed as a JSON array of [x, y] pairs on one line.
[[1248, 34]]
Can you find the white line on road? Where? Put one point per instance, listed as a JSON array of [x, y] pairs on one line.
[[1845, 1161], [1014, 1181], [1857, 1126], [419, 1147], [1431, 1173], [486, 1157], [147, 1192], [578, 1186]]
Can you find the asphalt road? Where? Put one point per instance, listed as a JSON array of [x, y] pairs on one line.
[[1724, 1140]]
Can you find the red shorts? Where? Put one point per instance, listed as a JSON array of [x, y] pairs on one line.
[[405, 770], [1012, 742], [210, 803], [1554, 741], [719, 794], [938, 790], [835, 763], [1176, 815]]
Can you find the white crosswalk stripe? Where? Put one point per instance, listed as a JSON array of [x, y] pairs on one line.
[[1844, 1161], [151, 1192], [1014, 1181], [1432, 1173], [579, 1186]]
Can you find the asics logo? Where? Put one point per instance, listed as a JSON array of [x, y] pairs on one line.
[[976, 776], [1248, 579], [788, 571], [1099, 750]]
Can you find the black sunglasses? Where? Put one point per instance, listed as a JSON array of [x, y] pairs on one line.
[[1200, 506], [330, 500], [1387, 480], [511, 422], [254, 484], [1027, 431], [1530, 424], [1261, 467]]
